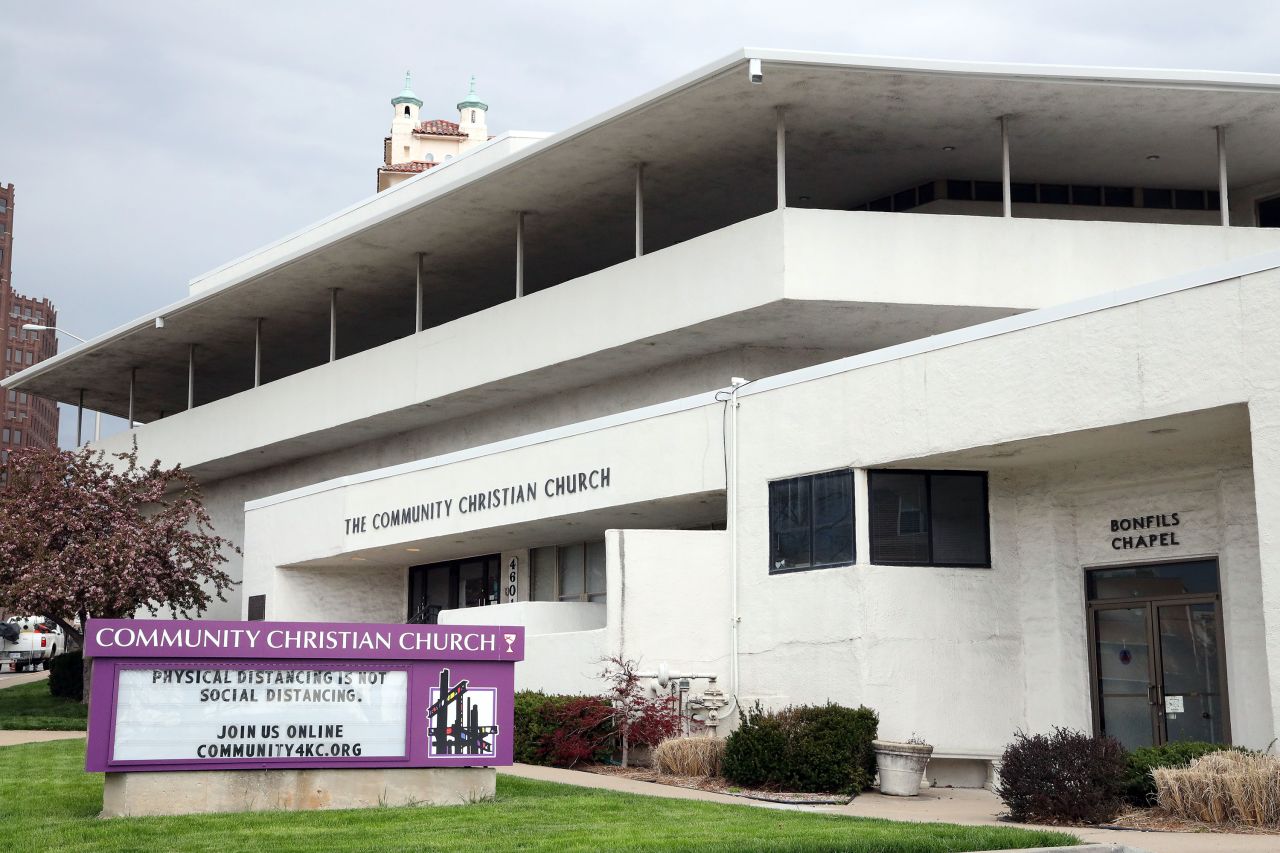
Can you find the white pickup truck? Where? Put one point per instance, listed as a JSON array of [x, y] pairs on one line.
[[28, 642]]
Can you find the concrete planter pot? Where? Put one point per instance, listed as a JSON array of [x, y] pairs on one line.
[[901, 766]]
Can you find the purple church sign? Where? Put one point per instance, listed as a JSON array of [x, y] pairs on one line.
[[169, 695]]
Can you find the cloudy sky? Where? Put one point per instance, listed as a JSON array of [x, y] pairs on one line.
[[152, 141]]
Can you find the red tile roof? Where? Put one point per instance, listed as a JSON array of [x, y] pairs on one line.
[[411, 166], [439, 127]]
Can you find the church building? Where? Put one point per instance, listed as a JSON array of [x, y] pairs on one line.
[[415, 145]]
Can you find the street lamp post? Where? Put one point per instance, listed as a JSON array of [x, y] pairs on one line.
[[97, 416]]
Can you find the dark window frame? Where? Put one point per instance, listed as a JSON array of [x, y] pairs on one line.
[[853, 523], [928, 474]]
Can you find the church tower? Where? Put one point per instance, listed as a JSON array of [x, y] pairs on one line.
[[406, 106], [471, 116]]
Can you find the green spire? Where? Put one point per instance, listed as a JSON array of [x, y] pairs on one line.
[[472, 100], [407, 96]]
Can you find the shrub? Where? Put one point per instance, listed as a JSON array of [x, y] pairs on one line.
[[66, 675], [1222, 787], [1063, 777], [818, 748], [689, 756], [561, 730], [1140, 788]]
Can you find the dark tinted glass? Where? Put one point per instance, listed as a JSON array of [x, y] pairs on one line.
[[1023, 193], [257, 608], [833, 518], [885, 203], [1189, 199], [1054, 194], [1086, 195], [1213, 202], [789, 524], [1154, 581], [904, 200], [988, 191], [1161, 199], [958, 518], [1118, 196], [925, 193], [899, 518], [962, 190], [1269, 213]]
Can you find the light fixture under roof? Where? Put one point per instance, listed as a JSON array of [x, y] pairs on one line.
[[1153, 156], [415, 550], [948, 148]]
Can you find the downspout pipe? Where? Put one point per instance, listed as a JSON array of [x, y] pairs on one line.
[[735, 620]]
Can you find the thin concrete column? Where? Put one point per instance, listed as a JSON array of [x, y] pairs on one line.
[[781, 155], [519, 254], [191, 376], [257, 351], [417, 298], [80, 419], [1222, 174], [133, 378], [1006, 177], [639, 209], [333, 324]]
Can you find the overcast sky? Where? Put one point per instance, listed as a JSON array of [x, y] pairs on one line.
[[152, 141]]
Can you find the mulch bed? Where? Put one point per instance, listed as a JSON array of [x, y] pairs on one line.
[[1157, 820], [716, 785]]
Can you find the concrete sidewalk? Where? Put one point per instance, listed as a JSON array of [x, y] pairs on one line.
[[942, 805], [13, 679]]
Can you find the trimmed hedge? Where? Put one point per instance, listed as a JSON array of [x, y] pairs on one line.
[[1066, 777], [1140, 787], [66, 675], [560, 730], [808, 748]]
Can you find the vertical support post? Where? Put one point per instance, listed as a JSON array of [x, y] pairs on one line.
[[257, 351], [519, 254], [1006, 177], [333, 324], [417, 298], [191, 376], [639, 209], [133, 378], [1222, 175], [781, 155], [80, 419]]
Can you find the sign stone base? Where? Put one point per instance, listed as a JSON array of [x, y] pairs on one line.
[[205, 791]]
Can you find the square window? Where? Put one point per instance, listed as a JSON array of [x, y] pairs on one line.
[[1118, 196], [929, 518], [960, 190], [988, 191], [1086, 195], [1054, 194], [811, 522], [1157, 199], [1022, 193], [1189, 199]]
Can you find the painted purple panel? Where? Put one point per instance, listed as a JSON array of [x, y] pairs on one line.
[[149, 638], [205, 702]]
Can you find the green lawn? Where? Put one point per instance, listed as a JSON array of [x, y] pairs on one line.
[[48, 802], [29, 706]]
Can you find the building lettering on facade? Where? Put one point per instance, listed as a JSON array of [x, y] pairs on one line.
[[561, 485], [1163, 539]]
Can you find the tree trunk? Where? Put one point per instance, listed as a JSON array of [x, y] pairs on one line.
[[88, 677]]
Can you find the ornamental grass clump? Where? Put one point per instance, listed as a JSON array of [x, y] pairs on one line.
[[1140, 788], [699, 755], [1065, 777], [1223, 787]]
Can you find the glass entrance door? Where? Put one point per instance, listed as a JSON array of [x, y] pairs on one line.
[[445, 586], [1157, 654]]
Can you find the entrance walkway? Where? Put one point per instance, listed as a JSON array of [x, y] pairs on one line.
[[972, 806]]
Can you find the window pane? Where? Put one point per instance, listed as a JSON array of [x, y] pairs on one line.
[[899, 525], [542, 574], [571, 571], [833, 518], [789, 524], [959, 519], [595, 570]]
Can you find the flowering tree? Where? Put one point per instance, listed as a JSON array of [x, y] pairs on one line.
[[83, 537]]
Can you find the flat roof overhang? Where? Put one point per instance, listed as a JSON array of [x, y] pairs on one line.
[[858, 128]]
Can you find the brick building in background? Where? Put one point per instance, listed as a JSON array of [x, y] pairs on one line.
[[25, 419]]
